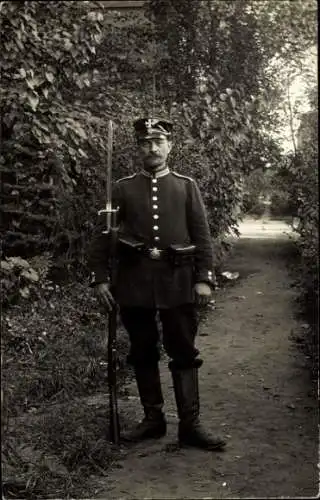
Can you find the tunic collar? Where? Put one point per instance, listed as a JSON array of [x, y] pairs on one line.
[[156, 175]]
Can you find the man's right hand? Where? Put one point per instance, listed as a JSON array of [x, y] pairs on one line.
[[105, 296]]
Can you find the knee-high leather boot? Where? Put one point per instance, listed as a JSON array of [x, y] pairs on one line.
[[153, 424], [186, 389]]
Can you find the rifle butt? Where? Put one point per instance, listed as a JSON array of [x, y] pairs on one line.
[[114, 424]]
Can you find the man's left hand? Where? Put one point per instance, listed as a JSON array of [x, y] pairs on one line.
[[203, 293]]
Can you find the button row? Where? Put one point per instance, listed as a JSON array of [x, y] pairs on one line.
[[155, 207]]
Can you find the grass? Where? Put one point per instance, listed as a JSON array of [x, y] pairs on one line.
[[54, 453], [54, 358]]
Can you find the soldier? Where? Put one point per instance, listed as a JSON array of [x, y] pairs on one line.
[[165, 265]]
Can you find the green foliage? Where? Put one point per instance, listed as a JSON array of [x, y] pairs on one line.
[[46, 49], [299, 179], [48, 134], [204, 37], [75, 64], [308, 212], [235, 41], [66, 68], [53, 356], [216, 82], [256, 188], [212, 132], [287, 28], [281, 204], [55, 371], [66, 446]]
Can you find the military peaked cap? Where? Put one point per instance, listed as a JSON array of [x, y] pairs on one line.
[[147, 128]]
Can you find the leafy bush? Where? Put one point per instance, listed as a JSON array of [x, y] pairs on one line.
[[75, 70], [300, 180], [306, 191], [53, 353], [20, 278], [281, 204], [48, 134], [253, 206], [61, 338]]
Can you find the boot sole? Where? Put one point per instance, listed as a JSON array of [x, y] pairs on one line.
[[157, 435], [218, 447], [140, 440]]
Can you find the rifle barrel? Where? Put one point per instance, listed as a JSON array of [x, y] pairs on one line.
[[111, 230]]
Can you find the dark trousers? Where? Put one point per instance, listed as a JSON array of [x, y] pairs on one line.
[[179, 329]]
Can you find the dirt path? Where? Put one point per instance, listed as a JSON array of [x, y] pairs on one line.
[[254, 388]]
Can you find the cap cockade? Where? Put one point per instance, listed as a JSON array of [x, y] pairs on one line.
[[147, 128]]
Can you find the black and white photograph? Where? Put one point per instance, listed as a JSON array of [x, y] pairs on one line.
[[159, 249]]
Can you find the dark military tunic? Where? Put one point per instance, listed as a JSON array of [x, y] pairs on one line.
[[158, 210]]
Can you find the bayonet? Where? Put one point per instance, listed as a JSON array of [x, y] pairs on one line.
[[112, 232], [110, 212]]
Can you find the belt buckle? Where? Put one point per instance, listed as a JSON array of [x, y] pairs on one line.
[[155, 253]]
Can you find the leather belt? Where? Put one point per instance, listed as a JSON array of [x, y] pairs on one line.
[[176, 256]]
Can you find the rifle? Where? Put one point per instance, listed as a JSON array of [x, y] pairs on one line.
[[112, 232]]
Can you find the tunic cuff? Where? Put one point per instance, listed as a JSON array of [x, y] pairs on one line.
[[208, 277]]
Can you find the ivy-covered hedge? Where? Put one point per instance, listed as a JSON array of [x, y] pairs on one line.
[[302, 186], [308, 229], [75, 65]]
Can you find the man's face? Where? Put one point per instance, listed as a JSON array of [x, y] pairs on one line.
[[154, 151]]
